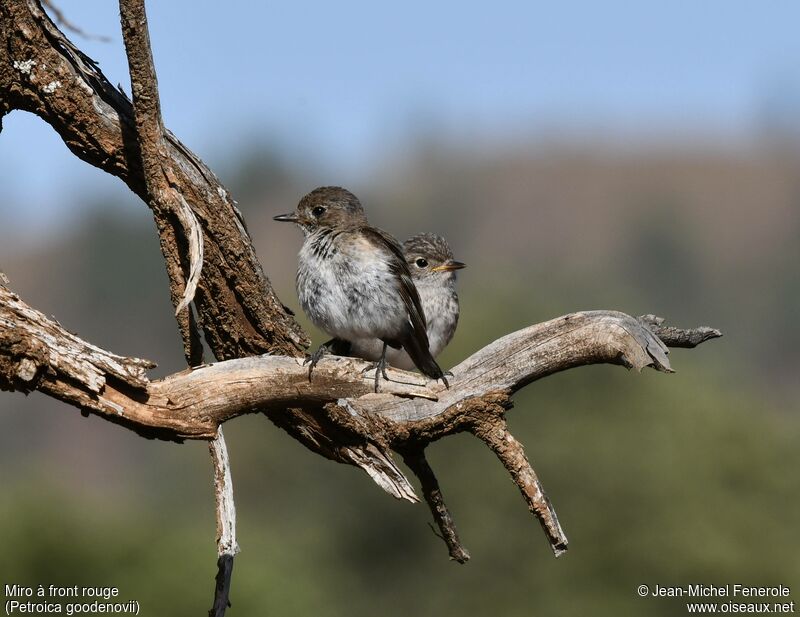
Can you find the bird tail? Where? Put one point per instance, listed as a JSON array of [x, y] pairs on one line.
[[421, 356]]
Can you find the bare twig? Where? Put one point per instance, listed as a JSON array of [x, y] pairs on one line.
[[175, 217], [679, 337], [495, 434], [415, 459], [227, 546], [68, 25], [144, 87], [223, 489], [169, 204]]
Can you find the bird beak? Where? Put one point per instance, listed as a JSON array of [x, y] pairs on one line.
[[286, 218], [449, 265]]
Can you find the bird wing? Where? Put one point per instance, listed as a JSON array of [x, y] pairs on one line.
[[408, 291]]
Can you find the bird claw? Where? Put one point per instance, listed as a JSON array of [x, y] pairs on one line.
[[381, 368], [370, 367], [314, 359]]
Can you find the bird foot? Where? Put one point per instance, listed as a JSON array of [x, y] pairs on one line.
[[379, 368], [314, 359], [370, 367]]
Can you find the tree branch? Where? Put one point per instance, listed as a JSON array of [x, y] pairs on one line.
[[177, 223], [410, 412], [336, 415], [677, 337], [174, 217], [192, 404], [68, 25], [519, 358], [42, 72], [495, 434], [415, 459], [36, 353], [227, 547]]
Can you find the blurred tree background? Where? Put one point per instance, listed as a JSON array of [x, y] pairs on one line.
[[668, 479]]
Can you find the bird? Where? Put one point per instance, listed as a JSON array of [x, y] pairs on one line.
[[353, 281], [430, 259]]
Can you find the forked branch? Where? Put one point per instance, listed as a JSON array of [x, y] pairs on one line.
[[408, 414], [192, 404], [414, 457], [211, 260], [178, 226]]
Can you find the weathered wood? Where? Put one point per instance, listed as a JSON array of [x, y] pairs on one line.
[[192, 404], [415, 458], [226, 513], [409, 413], [211, 260], [517, 359], [177, 222], [678, 337], [35, 350], [227, 546], [42, 72], [495, 434]]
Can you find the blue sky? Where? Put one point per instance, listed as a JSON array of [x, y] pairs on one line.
[[345, 83]]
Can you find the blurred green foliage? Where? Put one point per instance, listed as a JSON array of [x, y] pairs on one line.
[[657, 479]]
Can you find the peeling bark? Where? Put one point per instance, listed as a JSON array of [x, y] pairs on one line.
[[211, 261], [344, 419], [42, 72]]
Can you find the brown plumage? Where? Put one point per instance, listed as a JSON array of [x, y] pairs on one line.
[[353, 280]]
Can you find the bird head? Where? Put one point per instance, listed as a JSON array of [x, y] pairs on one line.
[[430, 258], [327, 206]]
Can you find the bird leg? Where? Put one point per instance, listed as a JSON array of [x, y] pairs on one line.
[[313, 359], [381, 368]]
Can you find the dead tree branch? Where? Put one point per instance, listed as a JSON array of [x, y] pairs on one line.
[[211, 261], [676, 337], [42, 72], [177, 223], [40, 354], [414, 457], [68, 25], [173, 215], [410, 413], [227, 546]]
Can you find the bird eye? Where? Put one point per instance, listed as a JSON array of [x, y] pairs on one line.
[[318, 211], [421, 262]]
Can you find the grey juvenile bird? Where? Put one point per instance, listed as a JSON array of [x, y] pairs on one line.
[[353, 281], [433, 269]]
